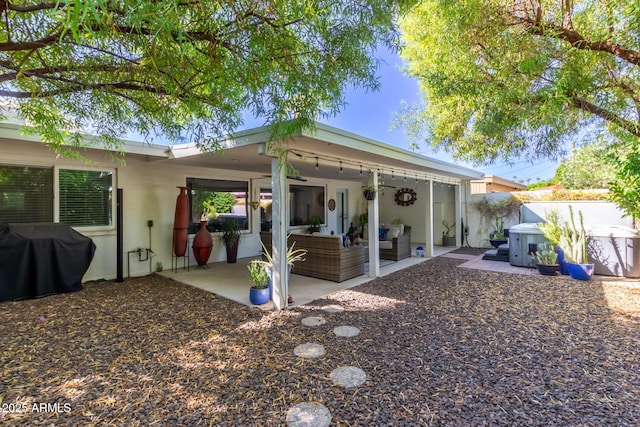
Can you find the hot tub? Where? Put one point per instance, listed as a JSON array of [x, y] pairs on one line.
[[524, 239], [614, 249]]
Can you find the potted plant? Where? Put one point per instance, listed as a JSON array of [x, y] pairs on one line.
[[552, 231], [497, 236], [259, 292], [363, 219], [314, 225], [369, 191], [231, 238], [546, 259], [447, 238], [574, 243]]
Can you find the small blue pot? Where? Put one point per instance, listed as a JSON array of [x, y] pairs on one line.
[[581, 271], [259, 296]]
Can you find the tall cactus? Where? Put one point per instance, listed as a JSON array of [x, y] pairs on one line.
[[574, 241]]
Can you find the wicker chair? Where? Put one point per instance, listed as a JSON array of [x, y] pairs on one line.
[[400, 247], [326, 258]]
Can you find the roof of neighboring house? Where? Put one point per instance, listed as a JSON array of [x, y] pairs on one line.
[[499, 181]]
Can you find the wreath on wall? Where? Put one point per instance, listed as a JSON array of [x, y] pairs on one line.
[[405, 196]]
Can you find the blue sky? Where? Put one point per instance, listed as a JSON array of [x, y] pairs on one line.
[[370, 114]]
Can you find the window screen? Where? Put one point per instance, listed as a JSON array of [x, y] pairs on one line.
[[26, 194], [86, 197]]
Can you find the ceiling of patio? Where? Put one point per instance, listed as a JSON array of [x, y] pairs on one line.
[[305, 151]]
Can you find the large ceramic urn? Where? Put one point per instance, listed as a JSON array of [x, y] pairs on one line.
[[181, 223], [202, 244]]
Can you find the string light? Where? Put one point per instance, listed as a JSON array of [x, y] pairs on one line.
[[360, 170], [317, 165], [393, 178], [341, 171]]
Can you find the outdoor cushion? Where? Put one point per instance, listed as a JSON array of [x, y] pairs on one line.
[[386, 244], [392, 233], [382, 234]]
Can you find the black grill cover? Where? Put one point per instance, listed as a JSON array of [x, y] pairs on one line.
[[40, 259]]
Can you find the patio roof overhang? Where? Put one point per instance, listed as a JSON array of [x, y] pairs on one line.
[[329, 148]]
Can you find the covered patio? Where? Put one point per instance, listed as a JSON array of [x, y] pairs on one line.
[[230, 280]]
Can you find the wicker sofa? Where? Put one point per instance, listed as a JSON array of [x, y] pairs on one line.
[[326, 257], [396, 248]]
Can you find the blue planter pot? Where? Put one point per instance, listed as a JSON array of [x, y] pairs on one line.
[[562, 261], [270, 279], [581, 271], [259, 296]]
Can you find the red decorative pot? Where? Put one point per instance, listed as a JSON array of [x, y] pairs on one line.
[[202, 244], [181, 223]]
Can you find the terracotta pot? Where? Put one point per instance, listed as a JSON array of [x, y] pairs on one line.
[[202, 244], [181, 223]]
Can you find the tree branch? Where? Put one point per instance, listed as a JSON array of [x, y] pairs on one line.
[[607, 115], [81, 88], [575, 39]]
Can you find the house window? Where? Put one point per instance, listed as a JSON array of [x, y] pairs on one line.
[[221, 200], [306, 204], [27, 194], [86, 197]]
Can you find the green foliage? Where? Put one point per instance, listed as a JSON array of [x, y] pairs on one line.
[[258, 273], [314, 225], [502, 79], [494, 211], [574, 241], [545, 255], [220, 202], [186, 70], [498, 230], [625, 190], [587, 168], [231, 232], [552, 227], [542, 184]]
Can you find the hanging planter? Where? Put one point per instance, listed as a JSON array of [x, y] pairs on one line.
[[369, 192]]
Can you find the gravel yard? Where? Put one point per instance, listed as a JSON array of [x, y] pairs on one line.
[[439, 344]]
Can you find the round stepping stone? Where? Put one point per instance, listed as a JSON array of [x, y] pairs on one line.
[[346, 331], [313, 321], [309, 350], [308, 415], [333, 308], [348, 376]]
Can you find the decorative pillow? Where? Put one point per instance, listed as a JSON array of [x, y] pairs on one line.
[[395, 230], [393, 233], [382, 234]]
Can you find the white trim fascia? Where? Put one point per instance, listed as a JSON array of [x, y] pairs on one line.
[[14, 131], [347, 139]]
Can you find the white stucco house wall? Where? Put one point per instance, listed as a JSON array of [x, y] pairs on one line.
[[338, 161]]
